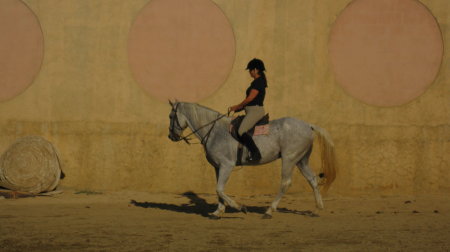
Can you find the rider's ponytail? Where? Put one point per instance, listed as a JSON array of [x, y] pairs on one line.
[[263, 76]]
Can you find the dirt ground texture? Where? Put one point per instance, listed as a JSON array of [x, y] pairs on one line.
[[139, 221]]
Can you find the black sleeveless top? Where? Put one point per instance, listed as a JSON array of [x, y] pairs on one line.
[[259, 84]]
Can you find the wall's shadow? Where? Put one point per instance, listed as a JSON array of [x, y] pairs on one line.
[[200, 207]]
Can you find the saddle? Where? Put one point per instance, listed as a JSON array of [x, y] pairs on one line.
[[260, 128]]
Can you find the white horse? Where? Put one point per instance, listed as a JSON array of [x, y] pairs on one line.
[[289, 139]]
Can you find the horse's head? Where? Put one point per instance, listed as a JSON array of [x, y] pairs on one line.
[[178, 122]]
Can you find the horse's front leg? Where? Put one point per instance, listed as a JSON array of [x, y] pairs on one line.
[[222, 174], [220, 206]]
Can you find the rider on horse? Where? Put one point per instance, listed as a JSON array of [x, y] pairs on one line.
[[253, 105]]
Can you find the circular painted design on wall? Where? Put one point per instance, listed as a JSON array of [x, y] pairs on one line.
[[21, 48], [181, 49], [385, 52]]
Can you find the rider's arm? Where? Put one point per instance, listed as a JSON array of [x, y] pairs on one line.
[[250, 97]]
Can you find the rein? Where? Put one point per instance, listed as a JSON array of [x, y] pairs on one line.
[[202, 141]]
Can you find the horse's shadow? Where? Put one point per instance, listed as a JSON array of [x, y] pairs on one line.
[[200, 207]]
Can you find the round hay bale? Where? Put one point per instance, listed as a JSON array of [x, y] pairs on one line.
[[30, 165]]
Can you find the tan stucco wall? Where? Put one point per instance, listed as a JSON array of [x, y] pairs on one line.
[[111, 135]]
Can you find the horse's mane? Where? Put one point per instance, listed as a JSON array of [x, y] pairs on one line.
[[201, 106], [203, 113]]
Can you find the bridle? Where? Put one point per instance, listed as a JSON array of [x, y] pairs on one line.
[[175, 123]]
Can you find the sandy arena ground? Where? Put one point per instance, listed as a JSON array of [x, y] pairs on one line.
[[137, 221]]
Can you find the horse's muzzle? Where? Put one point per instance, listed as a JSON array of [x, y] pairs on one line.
[[174, 138]]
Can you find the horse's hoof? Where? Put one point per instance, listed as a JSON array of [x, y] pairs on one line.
[[214, 217], [267, 216], [244, 209]]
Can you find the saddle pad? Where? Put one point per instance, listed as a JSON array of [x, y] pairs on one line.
[[261, 130]]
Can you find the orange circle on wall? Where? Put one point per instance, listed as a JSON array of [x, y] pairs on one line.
[[21, 48], [385, 52], [181, 49]]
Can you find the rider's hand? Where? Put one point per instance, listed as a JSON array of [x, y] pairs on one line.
[[234, 108]]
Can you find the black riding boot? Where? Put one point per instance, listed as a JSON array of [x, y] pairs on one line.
[[255, 155]]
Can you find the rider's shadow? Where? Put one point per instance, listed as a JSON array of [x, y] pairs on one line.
[[196, 205], [200, 207]]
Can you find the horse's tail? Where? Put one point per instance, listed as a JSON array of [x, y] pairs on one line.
[[327, 157]]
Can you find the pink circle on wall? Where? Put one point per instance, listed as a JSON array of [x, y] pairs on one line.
[[385, 52], [21, 48], [181, 49]]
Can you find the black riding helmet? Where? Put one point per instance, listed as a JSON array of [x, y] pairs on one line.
[[256, 64]]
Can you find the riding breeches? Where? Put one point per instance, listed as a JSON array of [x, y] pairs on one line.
[[252, 115]]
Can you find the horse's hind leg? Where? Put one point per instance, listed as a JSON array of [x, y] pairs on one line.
[[303, 166], [286, 174]]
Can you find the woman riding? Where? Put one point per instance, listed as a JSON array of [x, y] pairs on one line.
[[253, 105]]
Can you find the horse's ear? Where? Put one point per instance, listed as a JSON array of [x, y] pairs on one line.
[[171, 103]]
